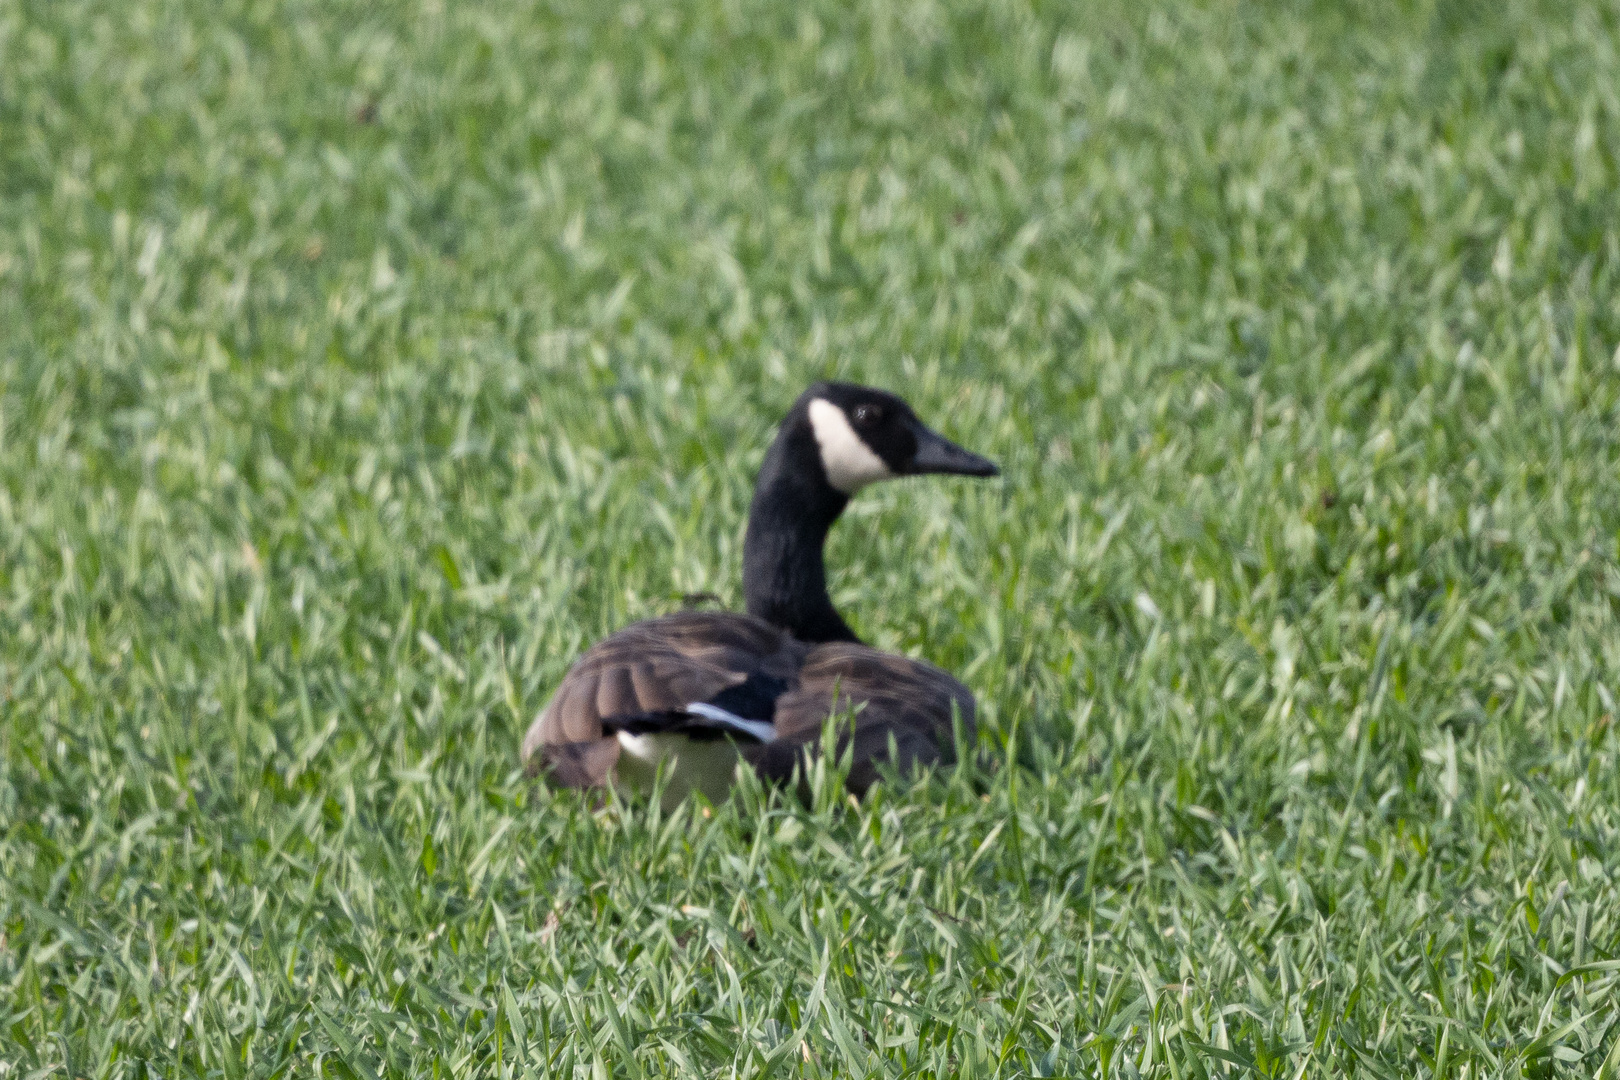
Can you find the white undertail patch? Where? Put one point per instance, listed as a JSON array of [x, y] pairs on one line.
[[706, 765], [849, 462]]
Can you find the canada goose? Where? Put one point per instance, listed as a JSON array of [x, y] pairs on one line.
[[698, 687]]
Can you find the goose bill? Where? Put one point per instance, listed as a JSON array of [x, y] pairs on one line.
[[937, 454]]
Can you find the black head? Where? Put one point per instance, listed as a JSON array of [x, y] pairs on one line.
[[864, 435]]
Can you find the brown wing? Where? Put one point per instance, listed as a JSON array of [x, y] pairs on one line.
[[658, 664], [903, 699]]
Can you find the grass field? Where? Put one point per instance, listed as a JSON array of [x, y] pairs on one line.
[[362, 363]]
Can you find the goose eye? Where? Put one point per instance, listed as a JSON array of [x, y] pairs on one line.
[[867, 415]]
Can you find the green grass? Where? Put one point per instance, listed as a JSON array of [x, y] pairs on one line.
[[362, 363]]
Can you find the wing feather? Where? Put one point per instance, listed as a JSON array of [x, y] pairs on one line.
[[655, 690], [616, 692], [891, 697], [649, 666]]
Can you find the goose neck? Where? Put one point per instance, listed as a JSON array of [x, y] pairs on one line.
[[784, 573]]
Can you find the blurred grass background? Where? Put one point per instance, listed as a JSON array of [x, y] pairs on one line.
[[362, 363]]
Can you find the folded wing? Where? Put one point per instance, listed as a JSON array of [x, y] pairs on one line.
[[652, 667], [891, 697]]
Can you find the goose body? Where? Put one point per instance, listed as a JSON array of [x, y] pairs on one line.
[[696, 691]]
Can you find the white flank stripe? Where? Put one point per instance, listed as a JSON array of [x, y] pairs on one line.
[[849, 462], [757, 729]]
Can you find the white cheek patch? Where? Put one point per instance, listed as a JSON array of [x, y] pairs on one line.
[[849, 462]]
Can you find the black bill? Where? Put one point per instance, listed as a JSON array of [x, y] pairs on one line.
[[937, 454]]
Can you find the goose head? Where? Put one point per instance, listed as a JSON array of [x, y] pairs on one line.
[[864, 435], [837, 439]]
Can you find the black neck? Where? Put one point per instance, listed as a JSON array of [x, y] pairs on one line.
[[784, 577]]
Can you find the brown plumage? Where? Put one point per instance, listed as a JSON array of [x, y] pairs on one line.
[[669, 662], [694, 690]]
